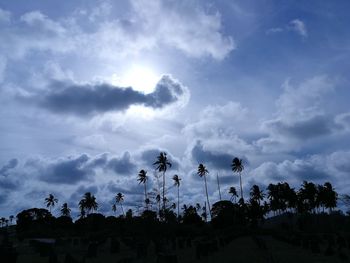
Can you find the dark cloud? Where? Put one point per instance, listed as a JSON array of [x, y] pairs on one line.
[[88, 99], [291, 171], [3, 199], [122, 165], [8, 184], [214, 159], [303, 129], [149, 156], [67, 171], [10, 165]]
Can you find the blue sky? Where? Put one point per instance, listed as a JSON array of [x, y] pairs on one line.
[[91, 91]]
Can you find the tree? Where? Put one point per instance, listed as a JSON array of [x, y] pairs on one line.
[[202, 172], [233, 193], [88, 204], [162, 164], [237, 167], [142, 178], [256, 194], [307, 196], [65, 210], [177, 180], [50, 201], [119, 198], [331, 196]]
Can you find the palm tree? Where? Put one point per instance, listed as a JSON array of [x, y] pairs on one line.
[[119, 198], [237, 167], [114, 209], [50, 201], [233, 193], [65, 210], [158, 202], [256, 194], [331, 196], [162, 164], [88, 203], [202, 172], [142, 178], [177, 180]]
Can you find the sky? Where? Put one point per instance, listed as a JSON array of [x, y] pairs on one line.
[[92, 91]]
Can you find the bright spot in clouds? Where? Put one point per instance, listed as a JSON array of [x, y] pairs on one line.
[[139, 77]]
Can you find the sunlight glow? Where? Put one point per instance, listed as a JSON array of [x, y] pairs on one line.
[[140, 78]]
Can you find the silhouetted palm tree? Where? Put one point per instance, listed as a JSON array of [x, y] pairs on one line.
[[142, 178], [50, 201], [119, 198], [65, 210], [256, 194], [162, 164], [233, 193], [114, 209], [202, 172], [237, 167], [88, 203], [331, 196], [177, 180]]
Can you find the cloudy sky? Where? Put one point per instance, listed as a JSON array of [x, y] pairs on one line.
[[92, 91]]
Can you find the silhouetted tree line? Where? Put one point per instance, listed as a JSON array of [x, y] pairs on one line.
[[275, 200]]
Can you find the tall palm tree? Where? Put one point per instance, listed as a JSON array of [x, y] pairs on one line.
[[142, 178], [65, 210], [233, 193], [50, 201], [162, 164], [119, 198], [202, 172], [177, 180], [237, 167]]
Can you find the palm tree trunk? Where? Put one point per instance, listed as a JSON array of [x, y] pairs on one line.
[[206, 192], [178, 201], [240, 181], [121, 205], [146, 196], [163, 191], [217, 178]]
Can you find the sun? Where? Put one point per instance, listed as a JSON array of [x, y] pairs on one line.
[[140, 78]]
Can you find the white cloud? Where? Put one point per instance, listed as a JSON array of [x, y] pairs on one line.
[[300, 116], [296, 25], [299, 27]]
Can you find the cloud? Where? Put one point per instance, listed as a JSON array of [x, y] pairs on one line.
[[185, 27], [300, 116], [65, 170], [10, 165], [299, 27], [122, 165], [79, 99], [97, 33], [293, 172], [295, 25], [215, 159]]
